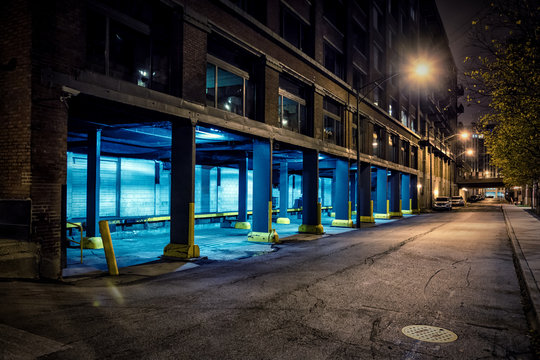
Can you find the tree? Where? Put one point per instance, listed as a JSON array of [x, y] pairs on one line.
[[507, 74]]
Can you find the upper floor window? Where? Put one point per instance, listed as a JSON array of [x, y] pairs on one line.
[[128, 49], [378, 20], [359, 79], [405, 153], [333, 122], [334, 12], [377, 140], [378, 59], [292, 107], [378, 96], [360, 38], [393, 108], [414, 157], [334, 60], [229, 88], [404, 117], [257, 9], [393, 141], [296, 31]]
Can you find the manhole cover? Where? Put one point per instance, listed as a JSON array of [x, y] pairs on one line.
[[429, 333]]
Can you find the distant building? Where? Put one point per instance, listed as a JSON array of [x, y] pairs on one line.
[[168, 110]]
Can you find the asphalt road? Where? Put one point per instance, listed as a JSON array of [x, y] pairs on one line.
[[341, 297]]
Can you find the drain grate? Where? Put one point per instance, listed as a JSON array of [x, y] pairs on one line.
[[429, 333]]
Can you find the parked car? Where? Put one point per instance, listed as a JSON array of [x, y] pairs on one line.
[[458, 201], [442, 203]]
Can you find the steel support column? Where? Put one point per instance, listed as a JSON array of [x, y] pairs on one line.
[[93, 183], [182, 243], [341, 193], [311, 212]]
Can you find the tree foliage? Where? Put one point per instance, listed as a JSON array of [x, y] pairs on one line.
[[507, 74]]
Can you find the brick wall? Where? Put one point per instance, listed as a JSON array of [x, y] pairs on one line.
[[15, 96]]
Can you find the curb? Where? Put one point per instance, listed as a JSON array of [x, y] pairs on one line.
[[525, 273]]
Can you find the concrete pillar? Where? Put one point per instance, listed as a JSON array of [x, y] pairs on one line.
[[364, 208], [406, 201], [242, 222], [93, 183], [395, 194], [341, 193], [182, 243], [382, 210], [311, 212], [262, 196], [283, 193], [205, 189]]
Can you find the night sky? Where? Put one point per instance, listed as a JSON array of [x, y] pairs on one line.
[[457, 16]]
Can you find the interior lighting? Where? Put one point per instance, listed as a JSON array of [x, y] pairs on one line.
[[469, 152], [436, 192], [375, 143]]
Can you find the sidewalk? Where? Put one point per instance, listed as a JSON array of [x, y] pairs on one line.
[[524, 232]]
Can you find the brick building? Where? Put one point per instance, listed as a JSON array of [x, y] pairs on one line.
[[133, 109]]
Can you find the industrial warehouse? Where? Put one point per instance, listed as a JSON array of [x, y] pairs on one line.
[[238, 118]]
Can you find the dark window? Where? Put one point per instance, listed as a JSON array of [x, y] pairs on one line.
[[230, 82], [405, 153], [377, 140], [361, 39], [394, 9], [257, 9], [292, 109], [393, 141], [333, 117], [334, 11], [378, 59], [364, 5], [296, 31], [333, 60], [414, 157], [378, 97], [393, 109], [359, 79], [131, 50], [378, 20]]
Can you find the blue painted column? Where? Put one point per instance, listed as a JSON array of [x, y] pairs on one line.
[[406, 206], [364, 208], [283, 194], [242, 222], [382, 208], [352, 189], [262, 193], [93, 183], [395, 194], [311, 211], [182, 243], [341, 193]]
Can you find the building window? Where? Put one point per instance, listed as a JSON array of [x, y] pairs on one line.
[[393, 108], [334, 12], [405, 153], [393, 141], [332, 122], [126, 49], [229, 88], [359, 79], [334, 60], [296, 31], [360, 39], [378, 59], [377, 140], [378, 20], [292, 110], [414, 157], [404, 118], [378, 96], [257, 9]]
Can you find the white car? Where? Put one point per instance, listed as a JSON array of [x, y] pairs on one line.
[[442, 203], [458, 201]]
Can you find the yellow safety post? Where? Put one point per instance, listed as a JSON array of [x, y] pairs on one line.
[[108, 247], [78, 226]]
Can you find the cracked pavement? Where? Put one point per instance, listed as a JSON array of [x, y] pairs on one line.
[[340, 297]]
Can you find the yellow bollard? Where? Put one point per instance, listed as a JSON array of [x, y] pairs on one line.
[[108, 247]]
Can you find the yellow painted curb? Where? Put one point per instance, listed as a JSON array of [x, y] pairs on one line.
[[311, 229], [342, 223], [92, 243], [267, 237], [333, 214], [367, 219], [182, 251], [381, 216], [283, 220], [396, 214], [242, 225]]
